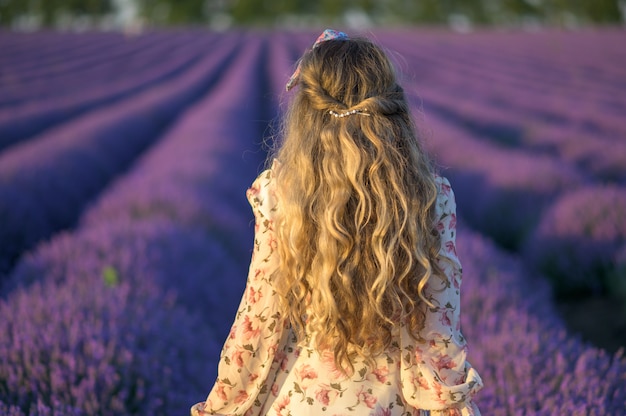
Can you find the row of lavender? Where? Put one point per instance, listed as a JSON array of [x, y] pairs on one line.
[[29, 72], [40, 92], [125, 314], [46, 180], [533, 132]]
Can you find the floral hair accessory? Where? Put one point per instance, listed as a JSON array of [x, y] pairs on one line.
[[327, 34]]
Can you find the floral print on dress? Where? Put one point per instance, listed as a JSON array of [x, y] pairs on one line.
[[264, 371]]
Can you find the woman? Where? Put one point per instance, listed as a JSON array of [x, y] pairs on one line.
[[352, 300]]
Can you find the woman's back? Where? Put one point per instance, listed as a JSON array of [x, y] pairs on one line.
[[352, 299], [356, 196], [308, 382]]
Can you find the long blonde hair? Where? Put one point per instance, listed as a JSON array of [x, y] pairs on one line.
[[356, 238]]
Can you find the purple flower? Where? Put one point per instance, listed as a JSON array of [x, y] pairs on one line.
[[578, 237]]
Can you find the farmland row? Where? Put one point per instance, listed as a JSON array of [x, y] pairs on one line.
[[544, 64], [125, 313], [87, 63], [59, 100], [566, 123], [45, 182], [146, 281], [42, 51]]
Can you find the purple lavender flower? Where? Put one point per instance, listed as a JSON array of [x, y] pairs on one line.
[[529, 362], [159, 264], [46, 182], [126, 313], [140, 343], [41, 101], [578, 238]]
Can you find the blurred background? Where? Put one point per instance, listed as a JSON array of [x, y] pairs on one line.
[[223, 14]]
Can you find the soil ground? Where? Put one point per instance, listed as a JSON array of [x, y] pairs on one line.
[[600, 321]]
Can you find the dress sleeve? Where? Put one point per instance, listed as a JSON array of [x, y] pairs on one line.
[[435, 374], [258, 328]]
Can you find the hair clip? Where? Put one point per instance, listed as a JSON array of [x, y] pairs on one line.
[[348, 113]]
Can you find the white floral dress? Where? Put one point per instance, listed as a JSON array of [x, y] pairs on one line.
[[262, 371]]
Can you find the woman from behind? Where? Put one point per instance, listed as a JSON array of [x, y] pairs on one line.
[[352, 300]]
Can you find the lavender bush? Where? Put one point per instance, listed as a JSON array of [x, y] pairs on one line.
[[99, 57], [189, 176], [96, 322], [32, 56], [136, 262], [46, 182], [595, 153], [578, 238], [529, 363], [171, 60], [510, 104], [501, 192], [38, 409]]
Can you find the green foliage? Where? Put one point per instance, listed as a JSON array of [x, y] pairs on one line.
[[49, 10], [110, 276], [270, 12], [601, 10]]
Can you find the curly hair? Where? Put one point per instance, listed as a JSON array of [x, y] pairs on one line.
[[357, 195]]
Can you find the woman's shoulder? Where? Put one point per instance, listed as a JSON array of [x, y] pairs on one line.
[[445, 204], [441, 180], [261, 192], [266, 176], [444, 188]]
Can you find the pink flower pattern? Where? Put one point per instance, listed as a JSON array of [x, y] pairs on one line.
[[251, 328], [380, 374], [327, 360], [264, 371], [306, 376], [326, 395], [443, 362], [445, 316], [366, 397], [254, 295]]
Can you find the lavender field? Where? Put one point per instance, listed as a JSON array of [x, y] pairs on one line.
[[125, 234]]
